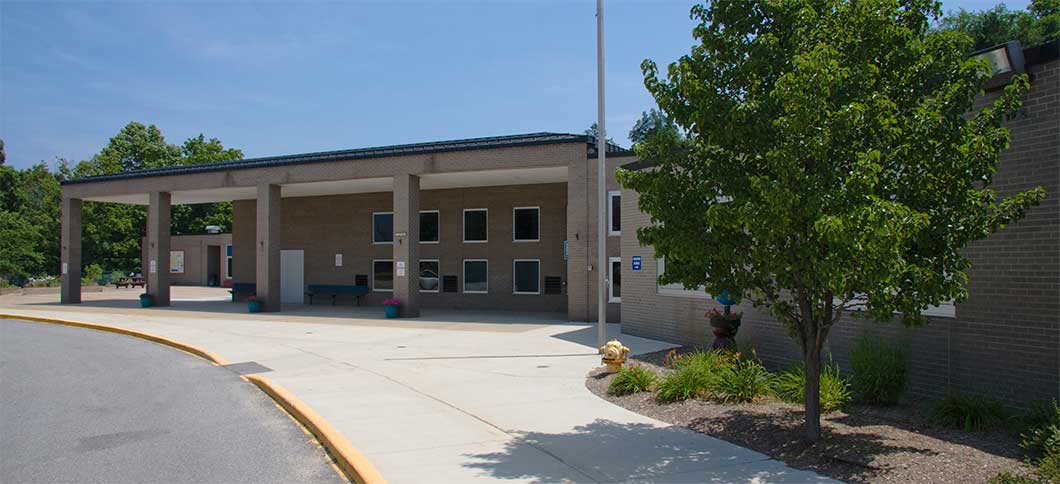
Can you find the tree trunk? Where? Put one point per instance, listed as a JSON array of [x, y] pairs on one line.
[[812, 357]]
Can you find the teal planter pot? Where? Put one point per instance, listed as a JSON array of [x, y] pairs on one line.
[[146, 300], [391, 311], [254, 306]]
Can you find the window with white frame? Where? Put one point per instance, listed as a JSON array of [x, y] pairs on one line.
[[228, 261], [429, 226], [476, 276], [526, 276], [383, 275], [614, 211], [675, 288], [430, 281], [476, 225], [526, 224], [614, 289], [383, 228]]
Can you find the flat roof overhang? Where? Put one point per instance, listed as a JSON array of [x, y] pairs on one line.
[[428, 181]]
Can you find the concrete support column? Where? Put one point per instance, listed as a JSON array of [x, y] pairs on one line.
[[158, 227], [70, 252], [268, 246], [407, 243]]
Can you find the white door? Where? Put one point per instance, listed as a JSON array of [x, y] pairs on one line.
[[292, 276]]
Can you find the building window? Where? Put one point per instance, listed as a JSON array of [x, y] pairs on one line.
[[429, 227], [476, 221], [614, 289], [526, 275], [228, 261], [526, 224], [476, 276], [383, 228], [675, 288], [430, 281], [614, 210], [383, 275]]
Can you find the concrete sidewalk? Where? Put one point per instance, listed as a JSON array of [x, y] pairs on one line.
[[450, 397]]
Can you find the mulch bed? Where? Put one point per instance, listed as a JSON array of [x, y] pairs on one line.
[[861, 444]]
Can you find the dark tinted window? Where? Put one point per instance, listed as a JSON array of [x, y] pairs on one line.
[[429, 227], [475, 222], [475, 276], [383, 275], [382, 227], [526, 276], [616, 213], [526, 223]]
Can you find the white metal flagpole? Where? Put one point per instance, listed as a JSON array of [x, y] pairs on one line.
[[601, 186]]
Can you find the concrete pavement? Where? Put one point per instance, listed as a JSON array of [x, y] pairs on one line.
[[449, 397], [85, 406]]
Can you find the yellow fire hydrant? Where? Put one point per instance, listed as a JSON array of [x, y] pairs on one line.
[[614, 355]]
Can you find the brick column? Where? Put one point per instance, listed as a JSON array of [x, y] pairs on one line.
[[268, 246], [158, 227], [407, 243], [70, 252]]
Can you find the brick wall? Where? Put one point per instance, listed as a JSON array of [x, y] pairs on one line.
[[1003, 342], [195, 249], [326, 225]]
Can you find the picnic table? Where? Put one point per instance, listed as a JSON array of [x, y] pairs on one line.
[[130, 282]]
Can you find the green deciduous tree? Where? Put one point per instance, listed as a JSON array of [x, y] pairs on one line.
[[1034, 26], [835, 163], [653, 123]]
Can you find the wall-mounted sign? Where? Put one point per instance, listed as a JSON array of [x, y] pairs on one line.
[[66, 268], [564, 250], [338, 260], [153, 266], [401, 234], [176, 261], [401, 268], [636, 263]]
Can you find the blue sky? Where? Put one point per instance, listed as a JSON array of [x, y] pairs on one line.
[[275, 78]]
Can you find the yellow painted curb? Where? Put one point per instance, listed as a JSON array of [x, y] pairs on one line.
[[351, 461], [195, 350], [354, 464]]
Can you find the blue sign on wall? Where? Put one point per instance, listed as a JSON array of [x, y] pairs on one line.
[[636, 262]]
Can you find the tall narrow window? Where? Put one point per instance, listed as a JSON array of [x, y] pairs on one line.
[[526, 275], [383, 275], [430, 281], [429, 227], [614, 292], [228, 261], [383, 228], [476, 276], [526, 223], [476, 222], [614, 210]]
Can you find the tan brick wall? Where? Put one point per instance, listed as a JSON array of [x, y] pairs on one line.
[[1004, 341], [195, 263], [581, 234], [324, 226]]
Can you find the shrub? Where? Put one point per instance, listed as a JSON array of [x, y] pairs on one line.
[[685, 382], [1042, 434], [92, 274], [1010, 478], [708, 360], [879, 371], [744, 381], [632, 379], [790, 387], [972, 413], [1049, 467]]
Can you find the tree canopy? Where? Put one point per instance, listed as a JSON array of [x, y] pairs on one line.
[[987, 28], [30, 204], [834, 163], [653, 123]]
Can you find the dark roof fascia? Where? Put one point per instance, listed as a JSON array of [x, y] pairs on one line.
[[533, 139], [638, 165]]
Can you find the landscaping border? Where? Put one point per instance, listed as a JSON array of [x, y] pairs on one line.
[[353, 464]]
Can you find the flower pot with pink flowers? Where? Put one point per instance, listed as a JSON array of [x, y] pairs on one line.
[[391, 307], [724, 323]]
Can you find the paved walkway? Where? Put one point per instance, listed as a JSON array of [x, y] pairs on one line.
[[450, 397]]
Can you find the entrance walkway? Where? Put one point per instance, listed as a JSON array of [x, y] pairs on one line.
[[450, 397]]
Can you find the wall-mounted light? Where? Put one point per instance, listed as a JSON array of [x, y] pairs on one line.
[[1004, 58]]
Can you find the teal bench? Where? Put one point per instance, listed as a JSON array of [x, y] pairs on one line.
[[242, 288], [335, 290]]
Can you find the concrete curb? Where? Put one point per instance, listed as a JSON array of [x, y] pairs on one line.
[[353, 464], [195, 350]]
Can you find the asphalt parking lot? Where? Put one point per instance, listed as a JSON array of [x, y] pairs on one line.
[[85, 406]]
